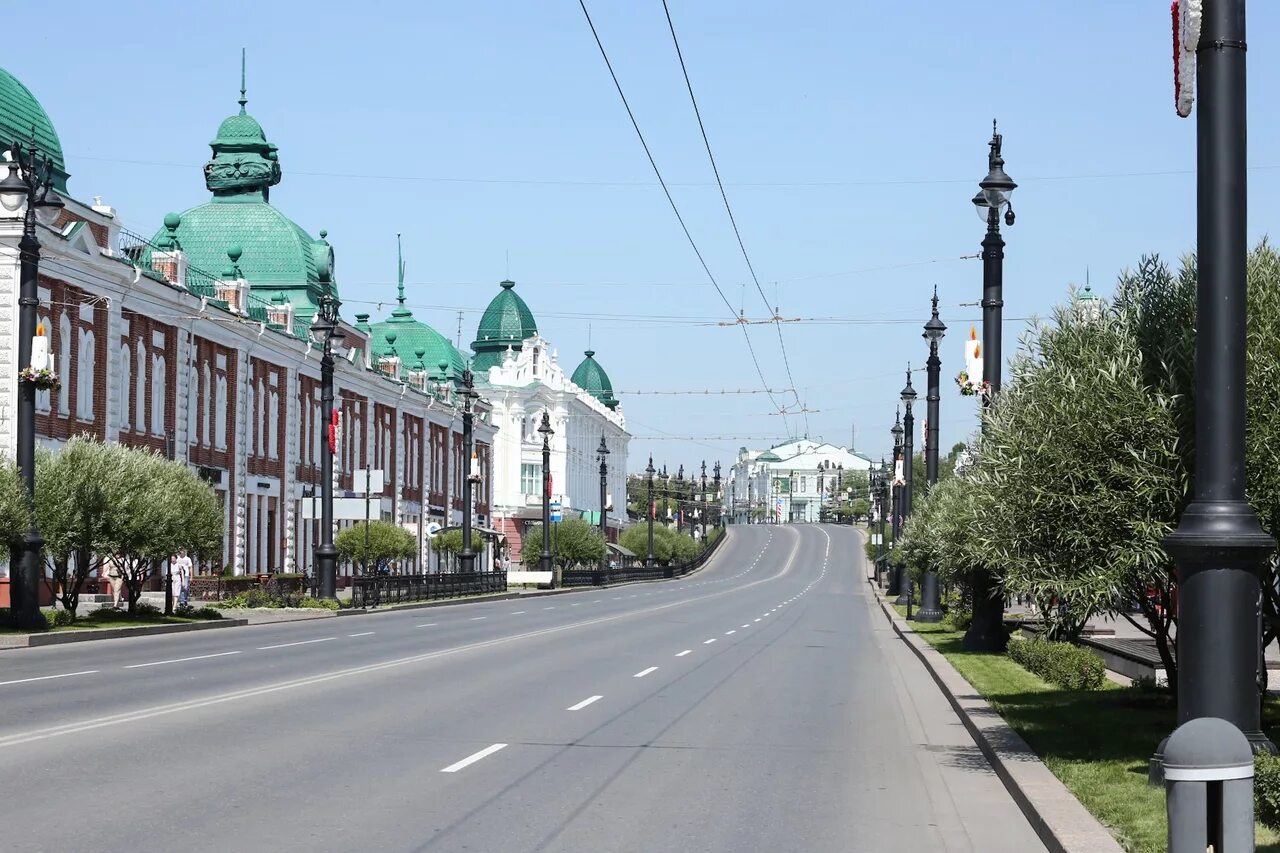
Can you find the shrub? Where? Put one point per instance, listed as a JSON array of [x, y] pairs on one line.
[[186, 611], [318, 603], [147, 610], [252, 598], [59, 618], [1266, 789], [1070, 667]]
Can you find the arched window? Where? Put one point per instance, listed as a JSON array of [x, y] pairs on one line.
[[125, 383], [140, 388], [85, 375], [220, 414], [273, 428], [158, 393], [206, 400], [250, 403], [64, 363]]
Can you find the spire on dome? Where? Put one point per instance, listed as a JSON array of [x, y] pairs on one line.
[[243, 99], [399, 271]]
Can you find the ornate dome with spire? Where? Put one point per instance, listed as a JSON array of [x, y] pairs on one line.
[[507, 322], [277, 252], [20, 114], [590, 377], [412, 340]]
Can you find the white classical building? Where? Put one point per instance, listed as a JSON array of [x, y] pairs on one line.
[[790, 482], [520, 376]]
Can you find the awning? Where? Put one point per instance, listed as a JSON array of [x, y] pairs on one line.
[[619, 550]]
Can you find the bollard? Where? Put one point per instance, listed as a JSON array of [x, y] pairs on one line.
[[1208, 777]]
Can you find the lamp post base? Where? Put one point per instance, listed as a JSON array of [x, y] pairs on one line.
[[327, 570], [930, 609]]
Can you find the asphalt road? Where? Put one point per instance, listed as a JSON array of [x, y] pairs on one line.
[[759, 705]]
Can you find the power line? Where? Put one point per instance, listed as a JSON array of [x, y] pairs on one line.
[[667, 192], [715, 169]]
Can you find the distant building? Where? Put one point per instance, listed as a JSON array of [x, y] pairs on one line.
[[791, 482]]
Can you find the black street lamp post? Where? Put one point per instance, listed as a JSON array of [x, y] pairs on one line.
[[934, 330], [665, 479], [986, 631], [544, 560], [895, 500], [906, 587], [703, 495], [325, 327], [716, 484], [602, 453], [1219, 547], [882, 498], [467, 556], [653, 509], [34, 188]]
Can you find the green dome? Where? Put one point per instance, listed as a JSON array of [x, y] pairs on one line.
[[239, 127], [410, 336], [768, 456], [507, 322], [19, 112], [590, 377], [276, 252]]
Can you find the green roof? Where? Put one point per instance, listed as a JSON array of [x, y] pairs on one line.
[[276, 252], [768, 456], [19, 112], [507, 322], [590, 377]]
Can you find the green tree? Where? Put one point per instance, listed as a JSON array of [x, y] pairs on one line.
[[573, 542], [387, 542], [73, 509], [636, 539]]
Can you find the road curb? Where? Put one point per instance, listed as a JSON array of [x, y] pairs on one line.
[[1058, 818], [26, 641]]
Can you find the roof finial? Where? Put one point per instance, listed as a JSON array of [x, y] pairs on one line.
[[399, 271], [243, 99], [588, 336]]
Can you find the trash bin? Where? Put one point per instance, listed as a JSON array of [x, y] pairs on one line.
[[1208, 777]]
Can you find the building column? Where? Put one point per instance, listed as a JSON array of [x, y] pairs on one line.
[[289, 504], [239, 498]]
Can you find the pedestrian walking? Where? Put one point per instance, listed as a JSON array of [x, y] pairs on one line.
[[182, 576], [115, 578]]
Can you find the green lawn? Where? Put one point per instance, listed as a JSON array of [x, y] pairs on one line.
[[1096, 741], [88, 623]]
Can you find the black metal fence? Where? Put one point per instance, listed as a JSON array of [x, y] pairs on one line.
[[596, 577], [395, 589]]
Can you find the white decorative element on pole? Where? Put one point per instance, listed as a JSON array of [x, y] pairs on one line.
[[1186, 38]]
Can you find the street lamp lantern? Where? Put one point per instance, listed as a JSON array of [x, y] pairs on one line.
[[996, 189], [544, 560]]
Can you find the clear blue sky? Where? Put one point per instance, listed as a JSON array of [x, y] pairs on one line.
[[851, 137]]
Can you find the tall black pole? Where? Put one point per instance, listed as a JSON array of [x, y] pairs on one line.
[[1219, 547], [653, 509], [882, 498], [934, 330], [905, 589], [603, 453], [326, 553], [467, 556], [895, 501], [544, 561], [986, 631]]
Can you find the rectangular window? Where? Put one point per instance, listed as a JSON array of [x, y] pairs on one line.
[[531, 478]]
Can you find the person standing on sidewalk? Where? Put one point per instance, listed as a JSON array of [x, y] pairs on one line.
[[115, 578], [182, 576]]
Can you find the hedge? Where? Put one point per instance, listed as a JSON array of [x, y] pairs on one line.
[[1070, 667], [1266, 789]]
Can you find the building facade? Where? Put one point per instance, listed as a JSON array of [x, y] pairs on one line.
[[521, 376], [196, 343], [792, 482]]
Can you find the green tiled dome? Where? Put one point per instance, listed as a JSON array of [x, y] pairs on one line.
[[590, 377], [19, 112], [507, 322], [410, 337]]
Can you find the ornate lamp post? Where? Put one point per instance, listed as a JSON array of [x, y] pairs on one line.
[[680, 500], [895, 498], [653, 508], [704, 500], [666, 509], [905, 585], [467, 556], [1219, 547], [324, 329], [34, 188], [882, 502], [602, 453], [716, 483], [986, 631], [934, 330], [544, 560]]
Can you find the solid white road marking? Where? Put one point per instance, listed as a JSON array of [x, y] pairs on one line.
[[584, 703], [745, 626], [518, 612], [757, 620], [299, 643], [683, 653], [734, 631], [473, 758], [361, 634], [708, 642], [477, 618], [552, 607], [642, 673], [47, 677], [428, 625], [180, 660]]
